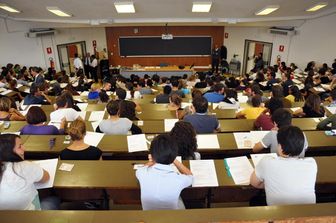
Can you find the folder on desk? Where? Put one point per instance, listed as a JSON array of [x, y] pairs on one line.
[[204, 173], [240, 169]]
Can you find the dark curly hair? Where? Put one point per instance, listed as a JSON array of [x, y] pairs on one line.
[[185, 136]]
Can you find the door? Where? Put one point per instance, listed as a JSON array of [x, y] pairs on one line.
[[66, 53]]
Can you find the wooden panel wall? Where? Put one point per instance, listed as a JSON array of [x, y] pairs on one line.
[[113, 33]]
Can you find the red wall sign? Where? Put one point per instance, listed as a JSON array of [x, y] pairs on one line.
[[49, 50], [281, 48]]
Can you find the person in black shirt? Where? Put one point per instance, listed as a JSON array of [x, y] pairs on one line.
[[79, 150], [215, 59]]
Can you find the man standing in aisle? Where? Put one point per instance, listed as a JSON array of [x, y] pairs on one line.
[[78, 64], [94, 68], [215, 59], [87, 68]]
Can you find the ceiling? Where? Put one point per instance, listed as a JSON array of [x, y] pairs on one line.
[[151, 12]]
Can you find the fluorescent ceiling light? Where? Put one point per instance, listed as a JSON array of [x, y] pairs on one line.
[[58, 12], [317, 7], [267, 10], [201, 6], [124, 7], [8, 8]]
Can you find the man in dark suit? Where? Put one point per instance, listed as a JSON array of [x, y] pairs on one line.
[[87, 67], [38, 77], [215, 59]]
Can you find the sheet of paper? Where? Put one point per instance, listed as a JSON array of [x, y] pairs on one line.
[[137, 143], [50, 166], [6, 92], [204, 173], [96, 116], [24, 113], [326, 86], [56, 124], [242, 99], [140, 123], [27, 90], [63, 85], [263, 83], [169, 124], [2, 89], [295, 109], [240, 169], [257, 157], [332, 110], [243, 140], [19, 85], [15, 133], [84, 93], [319, 89], [82, 114], [209, 141], [82, 106], [95, 125], [296, 81], [185, 104], [138, 166], [215, 105], [66, 167], [93, 138], [300, 86], [27, 107], [257, 136]]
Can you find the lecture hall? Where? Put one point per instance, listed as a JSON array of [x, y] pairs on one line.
[[167, 111]]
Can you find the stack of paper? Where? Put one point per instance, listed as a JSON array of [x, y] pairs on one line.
[[82, 106], [137, 143], [240, 169], [96, 116], [93, 138], [204, 173], [207, 141], [169, 124], [257, 157], [50, 166], [332, 110]]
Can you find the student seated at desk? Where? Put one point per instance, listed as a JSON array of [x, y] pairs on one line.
[[281, 117], [264, 120], [18, 177], [103, 96], [163, 97], [324, 124], [252, 112], [287, 179], [63, 111], [116, 125], [7, 113], [94, 91], [312, 108], [36, 119], [199, 119], [70, 100], [36, 96], [79, 150], [230, 101], [175, 88], [185, 136], [175, 103], [160, 185], [217, 95], [127, 108], [294, 94]]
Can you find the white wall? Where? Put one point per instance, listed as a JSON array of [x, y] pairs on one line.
[[16, 48], [315, 40]]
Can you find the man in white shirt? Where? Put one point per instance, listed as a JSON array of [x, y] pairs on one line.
[[287, 179], [87, 65], [94, 67], [78, 63], [62, 111]]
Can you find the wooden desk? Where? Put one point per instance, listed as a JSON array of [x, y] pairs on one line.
[[291, 213]]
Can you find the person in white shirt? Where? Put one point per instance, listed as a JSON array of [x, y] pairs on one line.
[[287, 179], [18, 177], [78, 63], [94, 67], [62, 111]]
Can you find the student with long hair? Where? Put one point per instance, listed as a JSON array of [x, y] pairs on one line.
[[312, 107]]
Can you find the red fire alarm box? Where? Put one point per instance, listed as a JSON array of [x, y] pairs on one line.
[[281, 48], [49, 50], [226, 35]]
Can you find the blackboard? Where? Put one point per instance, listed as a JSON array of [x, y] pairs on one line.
[[156, 46]]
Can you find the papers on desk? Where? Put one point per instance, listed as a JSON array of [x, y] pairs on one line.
[[240, 169], [207, 141], [300, 86], [214, 105], [84, 93], [24, 113], [95, 125], [19, 85], [204, 173], [50, 166], [56, 124], [27, 107], [264, 83], [319, 89], [246, 140], [169, 124], [257, 136], [185, 104], [82, 106], [137, 143], [257, 157], [295, 109], [326, 86], [96, 116], [2, 89], [93, 138], [63, 85], [27, 90], [66, 167], [242, 99], [82, 114], [15, 133], [296, 81], [6, 92], [332, 110]]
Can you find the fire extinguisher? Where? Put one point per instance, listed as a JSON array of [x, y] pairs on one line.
[[278, 60], [52, 64]]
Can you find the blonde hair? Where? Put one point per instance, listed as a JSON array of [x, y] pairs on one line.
[[77, 130], [5, 104], [95, 86]]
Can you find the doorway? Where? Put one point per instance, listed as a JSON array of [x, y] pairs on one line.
[[66, 54], [251, 49]]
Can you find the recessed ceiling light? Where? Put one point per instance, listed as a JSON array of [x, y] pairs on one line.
[[201, 6], [317, 7], [267, 10], [8, 8], [58, 12], [124, 7]]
